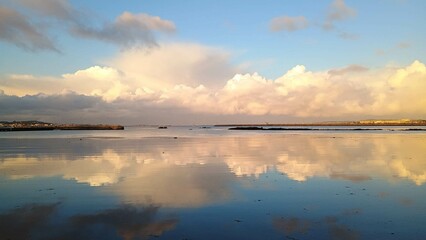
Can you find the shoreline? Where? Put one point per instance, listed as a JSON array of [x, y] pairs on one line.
[[64, 127], [256, 128], [325, 125]]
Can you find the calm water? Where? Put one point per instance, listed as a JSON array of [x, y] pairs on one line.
[[211, 183]]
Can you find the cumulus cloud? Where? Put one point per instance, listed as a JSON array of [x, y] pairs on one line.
[[127, 30], [94, 81], [175, 64], [287, 23], [162, 79], [15, 28], [321, 94], [139, 74]]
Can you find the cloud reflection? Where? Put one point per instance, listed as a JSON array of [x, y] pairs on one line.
[[20, 223], [40, 221], [196, 171], [294, 226], [291, 225], [126, 222]]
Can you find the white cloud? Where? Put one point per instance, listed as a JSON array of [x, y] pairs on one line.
[[174, 64], [94, 81], [136, 74], [197, 80], [287, 23]]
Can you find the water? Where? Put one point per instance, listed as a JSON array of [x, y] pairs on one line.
[[211, 183]]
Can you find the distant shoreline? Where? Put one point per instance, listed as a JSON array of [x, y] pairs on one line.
[[362, 123], [43, 126], [256, 128], [319, 125]]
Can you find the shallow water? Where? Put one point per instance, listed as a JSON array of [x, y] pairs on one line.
[[211, 183]]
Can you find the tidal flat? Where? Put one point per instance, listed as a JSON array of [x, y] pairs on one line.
[[211, 183]]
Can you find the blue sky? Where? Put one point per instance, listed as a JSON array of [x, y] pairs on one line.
[[242, 27], [268, 37]]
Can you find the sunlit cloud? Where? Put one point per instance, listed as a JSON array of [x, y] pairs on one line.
[[175, 64], [199, 80]]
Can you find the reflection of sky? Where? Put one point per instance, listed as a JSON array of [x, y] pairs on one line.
[[291, 185], [38, 221], [300, 157]]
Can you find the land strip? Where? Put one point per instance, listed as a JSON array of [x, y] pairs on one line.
[[44, 126]]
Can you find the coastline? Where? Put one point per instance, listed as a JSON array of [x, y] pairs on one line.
[[362, 123], [298, 128], [42, 126]]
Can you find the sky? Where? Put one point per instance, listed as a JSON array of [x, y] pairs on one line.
[[212, 62]]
